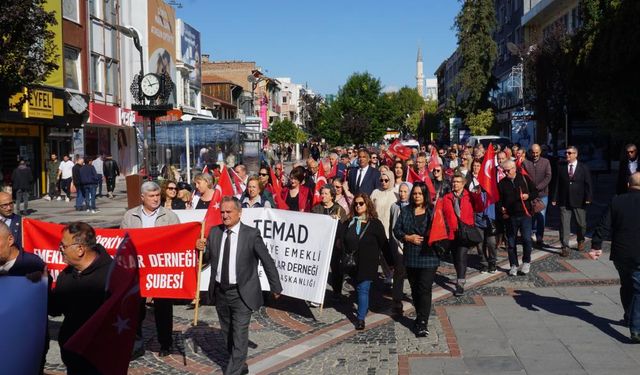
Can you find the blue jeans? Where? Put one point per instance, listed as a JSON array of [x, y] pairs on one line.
[[79, 197], [89, 192], [538, 220], [630, 293], [523, 224], [363, 298]]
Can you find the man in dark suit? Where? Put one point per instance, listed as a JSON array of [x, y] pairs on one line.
[[364, 179], [233, 250], [573, 192], [621, 224], [628, 166], [13, 221]]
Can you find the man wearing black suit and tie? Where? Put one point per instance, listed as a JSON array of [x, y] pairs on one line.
[[364, 179], [233, 250], [573, 192], [13, 221]]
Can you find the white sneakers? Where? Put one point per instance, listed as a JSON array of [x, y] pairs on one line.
[[525, 268], [59, 198], [47, 198], [66, 199], [513, 271]]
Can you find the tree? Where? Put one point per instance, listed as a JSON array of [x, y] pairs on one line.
[[405, 106], [310, 112], [475, 25], [359, 112], [430, 122], [285, 131], [27, 49], [481, 122]]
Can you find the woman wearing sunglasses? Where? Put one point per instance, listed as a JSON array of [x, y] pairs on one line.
[[421, 262], [365, 238], [169, 196]]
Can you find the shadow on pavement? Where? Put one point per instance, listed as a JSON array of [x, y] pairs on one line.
[[575, 309]]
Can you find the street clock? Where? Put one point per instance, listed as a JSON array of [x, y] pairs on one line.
[[150, 85]]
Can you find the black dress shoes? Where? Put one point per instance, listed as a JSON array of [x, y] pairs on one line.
[[360, 325]]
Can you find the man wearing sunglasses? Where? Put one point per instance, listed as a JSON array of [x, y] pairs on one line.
[[628, 166], [12, 220], [573, 193]]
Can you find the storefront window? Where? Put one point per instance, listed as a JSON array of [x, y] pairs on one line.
[[97, 141]]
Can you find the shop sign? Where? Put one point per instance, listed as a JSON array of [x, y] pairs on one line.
[[41, 105], [13, 130]]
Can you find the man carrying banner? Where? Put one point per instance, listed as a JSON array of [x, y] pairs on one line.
[[80, 288], [148, 215], [234, 249]]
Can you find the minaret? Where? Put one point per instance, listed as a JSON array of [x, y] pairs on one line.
[[419, 75]]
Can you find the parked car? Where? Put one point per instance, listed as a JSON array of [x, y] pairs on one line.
[[486, 139]]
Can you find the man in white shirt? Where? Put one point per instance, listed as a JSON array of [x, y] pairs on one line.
[[98, 165], [65, 174]]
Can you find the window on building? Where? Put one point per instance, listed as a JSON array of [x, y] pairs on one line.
[[93, 8], [110, 16], [70, 10], [72, 68], [112, 74], [96, 74], [284, 100]]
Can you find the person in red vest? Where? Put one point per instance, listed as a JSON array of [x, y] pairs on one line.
[[297, 196]]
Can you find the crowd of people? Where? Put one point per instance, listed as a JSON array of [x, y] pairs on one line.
[[385, 204]]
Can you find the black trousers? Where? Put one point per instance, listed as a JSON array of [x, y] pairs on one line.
[[460, 255], [421, 281], [163, 314], [111, 184], [234, 316], [337, 277]]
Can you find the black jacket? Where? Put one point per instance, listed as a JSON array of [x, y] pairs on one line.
[[22, 178], [510, 195], [621, 224], [75, 174], [623, 176], [78, 295], [368, 248], [573, 192], [110, 168], [26, 263], [88, 175]]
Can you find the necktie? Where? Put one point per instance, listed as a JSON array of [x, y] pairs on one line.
[[570, 170], [224, 277], [359, 179]]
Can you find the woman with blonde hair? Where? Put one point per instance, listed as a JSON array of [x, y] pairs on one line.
[[204, 191]]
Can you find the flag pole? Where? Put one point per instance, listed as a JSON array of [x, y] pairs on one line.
[[195, 313]]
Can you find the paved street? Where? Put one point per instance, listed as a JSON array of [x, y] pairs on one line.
[[562, 318]]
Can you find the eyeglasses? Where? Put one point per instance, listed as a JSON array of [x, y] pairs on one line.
[[437, 170], [4, 205], [337, 186], [263, 174], [359, 203], [171, 188], [569, 152], [384, 180], [62, 247]]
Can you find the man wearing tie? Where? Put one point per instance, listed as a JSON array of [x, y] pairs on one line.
[[13, 221], [233, 250], [364, 179], [573, 192]]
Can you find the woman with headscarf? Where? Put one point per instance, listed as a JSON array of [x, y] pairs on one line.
[[383, 199], [396, 247]]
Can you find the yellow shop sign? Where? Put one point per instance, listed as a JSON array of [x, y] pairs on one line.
[[41, 105]]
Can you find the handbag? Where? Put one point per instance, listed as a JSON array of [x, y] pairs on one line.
[[348, 259], [469, 235], [537, 205]]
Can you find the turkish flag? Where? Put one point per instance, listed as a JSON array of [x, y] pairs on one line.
[[388, 160], [488, 178], [277, 191], [438, 227], [239, 185], [334, 171], [413, 176], [434, 160], [400, 150], [224, 188], [106, 339], [520, 167], [205, 170], [321, 180]]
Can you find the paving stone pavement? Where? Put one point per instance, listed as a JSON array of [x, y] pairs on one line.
[[562, 318]]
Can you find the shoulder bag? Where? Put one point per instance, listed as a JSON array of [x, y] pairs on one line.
[[348, 261], [468, 235]]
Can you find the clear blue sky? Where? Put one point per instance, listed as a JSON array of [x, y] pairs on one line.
[[323, 42]]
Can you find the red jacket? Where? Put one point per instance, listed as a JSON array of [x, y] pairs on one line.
[[304, 198], [469, 204]]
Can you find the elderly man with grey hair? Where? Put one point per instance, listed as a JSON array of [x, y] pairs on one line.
[[148, 215]]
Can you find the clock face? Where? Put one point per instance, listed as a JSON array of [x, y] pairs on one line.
[[150, 85]]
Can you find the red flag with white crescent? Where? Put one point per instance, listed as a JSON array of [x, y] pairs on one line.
[[223, 188], [321, 180], [400, 150], [413, 176], [434, 160], [488, 178], [277, 191], [438, 226]]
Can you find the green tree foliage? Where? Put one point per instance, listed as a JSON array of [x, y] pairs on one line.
[[285, 131], [405, 109], [27, 50], [310, 112], [481, 122], [359, 113], [475, 25], [430, 121], [608, 51]]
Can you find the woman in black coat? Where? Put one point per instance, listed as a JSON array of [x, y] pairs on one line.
[[169, 196], [365, 236]]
